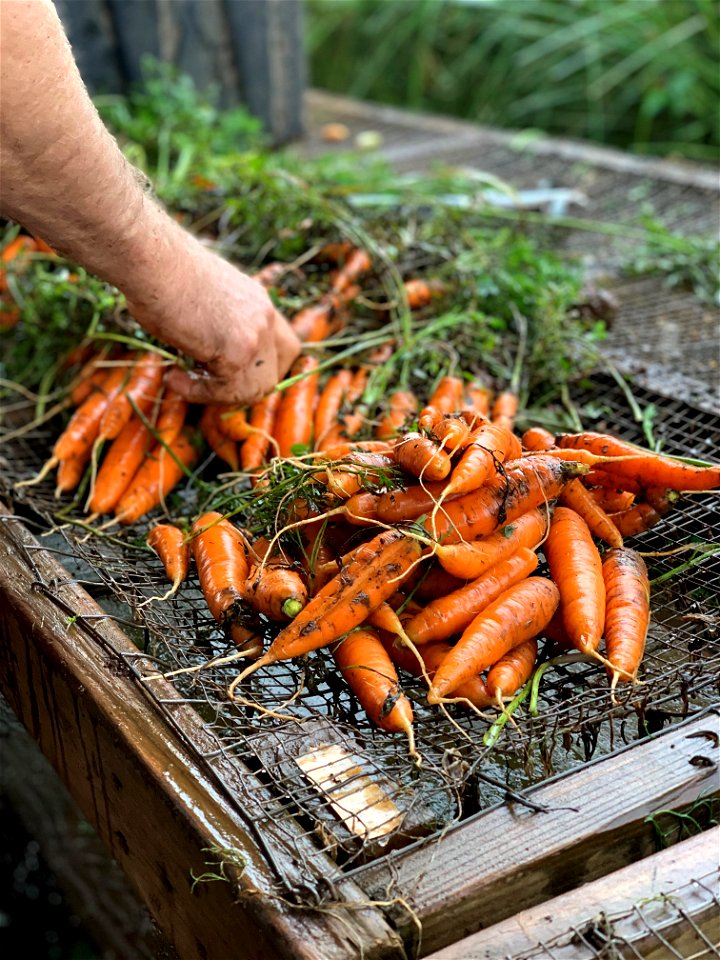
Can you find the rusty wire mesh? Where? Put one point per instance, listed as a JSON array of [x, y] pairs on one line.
[[351, 787]]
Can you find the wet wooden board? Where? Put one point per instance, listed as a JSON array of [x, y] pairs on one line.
[[141, 785], [512, 858], [651, 893]]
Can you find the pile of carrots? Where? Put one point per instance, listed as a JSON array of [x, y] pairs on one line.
[[423, 557]]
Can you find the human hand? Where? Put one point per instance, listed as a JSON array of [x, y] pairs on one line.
[[221, 317]]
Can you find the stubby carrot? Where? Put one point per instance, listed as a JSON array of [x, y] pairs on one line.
[[517, 615], [490, 445], [222, 564], [576, 568], [169, 543], [627, 613]]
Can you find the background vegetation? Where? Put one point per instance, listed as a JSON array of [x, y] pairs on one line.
[[641, 75]]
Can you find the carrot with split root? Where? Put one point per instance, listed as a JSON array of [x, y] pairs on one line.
[[169, 543], [517, 615], [576, 568], [372, 677], [450, 614], [472, 558], [627, 613]]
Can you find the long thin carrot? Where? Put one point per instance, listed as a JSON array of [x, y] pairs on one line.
[[69, 473], [517, 615], [120, 464], [262, 420], [371, 675], [627, 613], [330, 402], [450, 614], [294, 419], [160, 472], [576, 568], [82, 430], [171, 416], [575, 496], [142, 390], [648, 468], [347, 599], [522, 485], [470, 559], [356, 264]]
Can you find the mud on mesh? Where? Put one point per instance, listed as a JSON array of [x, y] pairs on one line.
[[351, 787]]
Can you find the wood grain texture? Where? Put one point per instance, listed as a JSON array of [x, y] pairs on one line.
[[670, 873], [511, 858], [140, 784]]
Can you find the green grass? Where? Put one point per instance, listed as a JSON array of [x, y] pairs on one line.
[[637, 74]]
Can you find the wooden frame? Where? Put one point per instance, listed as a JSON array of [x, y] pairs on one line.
[[141, 785]]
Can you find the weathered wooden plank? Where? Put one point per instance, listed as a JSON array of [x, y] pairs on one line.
[[144, 789], [669, 873], [267, 39], [512, 858]]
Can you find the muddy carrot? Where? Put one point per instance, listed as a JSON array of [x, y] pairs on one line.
[[422, 458], [222, 564], [276, 591], [490, 445]]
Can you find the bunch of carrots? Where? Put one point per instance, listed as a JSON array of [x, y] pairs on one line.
[[423, 557], [444, 583]]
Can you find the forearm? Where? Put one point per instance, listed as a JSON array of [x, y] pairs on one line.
[[63, 175]]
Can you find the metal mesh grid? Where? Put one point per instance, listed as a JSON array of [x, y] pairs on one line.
[[362, 795], [648, 929]]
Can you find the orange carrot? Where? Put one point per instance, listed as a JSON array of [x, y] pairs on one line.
[[422, 458], [538, 438], [142, 390], [371, 675], [171, 416], [627, 613], [504, 409], [490, 445], [329, 405], [401, 406], [575, 496], [447, 397], [479, 397], [356, 264], [262, 420], [576, 568], [450, 614], [524, 484], [451, 432], [435, 582], [646, 467], [347, 599], [222, 564], [168, 541], [122, 461], [408, 503], [472, 558], [276, 591], [70, 473], [612, 501], [512, 671], [160, 472], [294, 420], [79, 435], [314, 323], [641, 517], [233, 422], [420, 293], [223, 448], [517, 615]]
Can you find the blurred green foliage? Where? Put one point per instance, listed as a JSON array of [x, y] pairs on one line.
[[641, 75]]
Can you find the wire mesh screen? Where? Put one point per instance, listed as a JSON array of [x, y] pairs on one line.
[[351, 787], [682, 925]]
